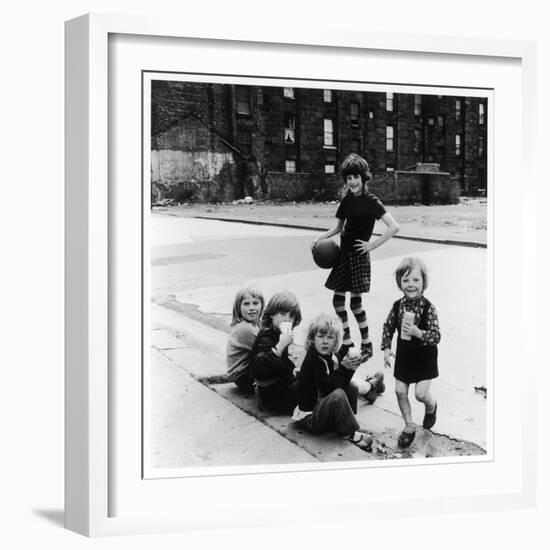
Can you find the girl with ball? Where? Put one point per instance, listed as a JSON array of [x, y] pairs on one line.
[[355, 219]]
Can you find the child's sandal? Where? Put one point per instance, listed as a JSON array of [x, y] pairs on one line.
[[366, 351], [406, 438], [377, 386], [362, 440]]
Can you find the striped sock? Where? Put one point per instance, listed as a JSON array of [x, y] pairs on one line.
[[339, 303], [360, 315]]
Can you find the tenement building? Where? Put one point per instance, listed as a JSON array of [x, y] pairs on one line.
[[222, 142]]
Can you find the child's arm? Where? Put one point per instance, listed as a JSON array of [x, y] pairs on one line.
[[387, 336], [334, 230], [432, 335], [267, 361], [392, 227]]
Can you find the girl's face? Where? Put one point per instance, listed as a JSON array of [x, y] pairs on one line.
[[354, 183], [251, 308], [412, 284], [324, 342], [281, 317]]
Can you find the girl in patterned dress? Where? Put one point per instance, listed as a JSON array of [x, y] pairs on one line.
[[416, 353], [356, 215]]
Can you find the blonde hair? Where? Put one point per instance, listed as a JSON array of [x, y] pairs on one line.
[[325, 324], [407, 265], [282, 302], [239, 297]]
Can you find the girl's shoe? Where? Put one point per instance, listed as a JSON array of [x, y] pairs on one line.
[[430, 418], [377, 386], [405, 439], [366, 351]]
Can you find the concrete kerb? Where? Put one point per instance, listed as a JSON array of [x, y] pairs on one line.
[[451, 242]]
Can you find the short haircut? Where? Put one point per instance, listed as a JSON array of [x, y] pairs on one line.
[[355, 165], [282, 302], [325, 324], [239, 297], [407, 265]]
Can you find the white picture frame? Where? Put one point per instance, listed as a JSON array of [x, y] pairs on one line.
[[102, 498]]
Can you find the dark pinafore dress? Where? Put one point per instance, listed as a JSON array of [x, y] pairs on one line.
[[414, 360]]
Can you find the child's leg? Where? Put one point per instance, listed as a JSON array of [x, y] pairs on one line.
[[352, 392], [402, 393], [423, 394], [356, 305], [332, 413], [339, 303]]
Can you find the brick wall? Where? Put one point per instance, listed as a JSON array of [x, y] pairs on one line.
[[412, 187]]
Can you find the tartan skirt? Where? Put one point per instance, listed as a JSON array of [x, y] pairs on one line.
[[351, 273]]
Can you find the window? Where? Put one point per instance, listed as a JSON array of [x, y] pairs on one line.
[[389, 138], [390, 168], [288, 92], [330, 164], [458, 145], [440, 122], [289, 135], [290, 125], [327, 96], [355, 146], [243, 100], [290, 166], [431, 121], [389, 101], [458, 109], [329, 132], [354, 114], [417, 105], [417, 141], [371, 114], [481, 113], [480, 146]]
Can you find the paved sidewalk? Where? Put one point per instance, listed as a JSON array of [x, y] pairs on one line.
[[188, 372]]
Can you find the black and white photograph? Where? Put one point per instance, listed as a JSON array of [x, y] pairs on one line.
[[316, 275]]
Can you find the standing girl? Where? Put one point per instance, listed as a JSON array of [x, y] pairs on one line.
[[272, 368], [356, 215], [245, 325], [415, 317]]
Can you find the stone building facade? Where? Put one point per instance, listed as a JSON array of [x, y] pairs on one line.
[[222, 142]]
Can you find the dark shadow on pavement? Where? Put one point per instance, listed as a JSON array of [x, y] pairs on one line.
[[57, 517]]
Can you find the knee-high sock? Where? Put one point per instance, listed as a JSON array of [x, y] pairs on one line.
[[339, 303], [360, 315]]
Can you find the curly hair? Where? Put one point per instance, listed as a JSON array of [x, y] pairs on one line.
[[325, 324], [407, 265], [282, 302], [251, 291], [355, 165]]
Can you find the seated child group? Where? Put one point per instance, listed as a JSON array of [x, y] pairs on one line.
[[321, 394]]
